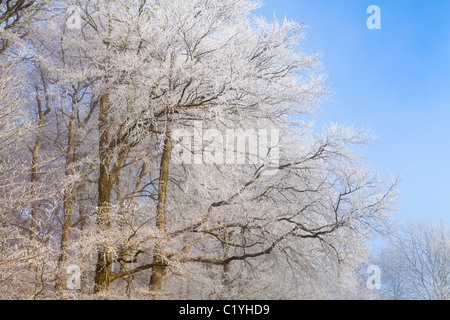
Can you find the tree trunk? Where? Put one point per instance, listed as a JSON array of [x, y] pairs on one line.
[[34, 169], [69, 204], [105, 186], [35, 205], [158, 256]]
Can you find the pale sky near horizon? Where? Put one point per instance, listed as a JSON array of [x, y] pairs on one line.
[[395, 81]]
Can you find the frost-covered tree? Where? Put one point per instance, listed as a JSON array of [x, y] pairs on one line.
[[119, 92], [416, 265]]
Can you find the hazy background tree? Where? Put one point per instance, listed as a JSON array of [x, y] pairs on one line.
[[417, 263]]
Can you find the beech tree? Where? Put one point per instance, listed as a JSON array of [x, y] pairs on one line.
[[125, 92]]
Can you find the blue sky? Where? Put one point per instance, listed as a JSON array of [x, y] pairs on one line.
[[395, 81]]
